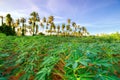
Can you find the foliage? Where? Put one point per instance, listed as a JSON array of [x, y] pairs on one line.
[[48, 26], [7, 30], [59, 58]]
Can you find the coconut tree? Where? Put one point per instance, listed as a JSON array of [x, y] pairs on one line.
[[30, 26], [8, 19], [51, 23], [87, 33], [50, 19], [44, 22], [44, 19], [79, 30], [52, 27], [74, 25], [13, 25], [68, 25], [84, 30], [79, 33], [23, 20], [63, 27], [36, 29], [75, 28], [58, 28], [17, 22], [1, 20], [34, 18], [68, 29], [47, 24], [69, 21], [42, 25]]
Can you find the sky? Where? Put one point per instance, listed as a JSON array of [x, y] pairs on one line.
[[98, 16]]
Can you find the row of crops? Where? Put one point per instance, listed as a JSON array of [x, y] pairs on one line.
[[59, 58]]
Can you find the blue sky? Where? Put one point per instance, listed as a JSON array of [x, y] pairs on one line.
[[99, 16]]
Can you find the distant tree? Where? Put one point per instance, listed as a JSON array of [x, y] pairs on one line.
[[23, 20], [13, 25], [44, 22], [58, 29], [30, 27], [42, 25], [7, 30], [50, 19], [84, 30], [36, 29], [47, 24], [52, 27], [8, 20], [69, 21], [63, 27], [1, 19], [74, 25], [34, 18], [68, 29], [51, 23], [17, 22]]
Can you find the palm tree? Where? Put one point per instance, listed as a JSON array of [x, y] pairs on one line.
[[17, 22], [52, 27], [36, 29], [79, 30], [58, 28], [68, 25], [8, 19], [47, 24], [34, 18], [30, 21], [50, 19], [88, 33], [69, 21], [13, 25], [1, 20], [79, 33], [42, 25], [84, 30], [63, 27], [68, 29], [23, 20], [74, 25], [30, 27], [44, 21]]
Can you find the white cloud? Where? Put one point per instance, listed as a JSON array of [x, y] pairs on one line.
[[58, 17], [21, 8], [60, 6], [59, 22]]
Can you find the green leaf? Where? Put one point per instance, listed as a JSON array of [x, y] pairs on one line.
[[75, 65], [3, 78]]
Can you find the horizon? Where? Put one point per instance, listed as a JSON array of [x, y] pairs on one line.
[[97, 16]]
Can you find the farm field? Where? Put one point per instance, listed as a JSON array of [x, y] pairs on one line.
[[59, 58], [59, 39]]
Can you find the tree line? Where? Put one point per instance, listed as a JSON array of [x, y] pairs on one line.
[[20, 27]]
